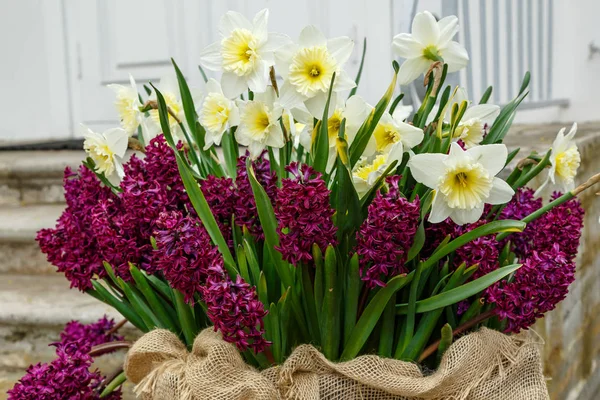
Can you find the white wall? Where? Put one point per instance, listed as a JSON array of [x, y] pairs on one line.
[[34, 100]]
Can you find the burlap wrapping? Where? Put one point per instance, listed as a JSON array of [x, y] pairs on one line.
[[485, 365]]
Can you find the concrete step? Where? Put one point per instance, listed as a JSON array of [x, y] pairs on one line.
[[33, 311], [34, 177], [19, 252]]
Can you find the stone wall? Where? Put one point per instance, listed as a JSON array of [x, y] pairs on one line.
[[572, 331]]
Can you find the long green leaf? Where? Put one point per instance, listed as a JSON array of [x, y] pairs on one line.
[[184, 313], [204, 212], [187, 101], [409, 325], [360, 69], [366, 130], [124, 309], [460, 293], [320, 152], [351, 297], [330, 316], [371, 315]]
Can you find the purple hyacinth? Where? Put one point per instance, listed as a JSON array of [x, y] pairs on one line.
[[72, 246], [304, 214], [562, 224], [67, 377], [221, 197], [87, 336], [184, 252], [482, 250], [536, 288], [245, 207], [522, 204], [386, 235], [234, 309]]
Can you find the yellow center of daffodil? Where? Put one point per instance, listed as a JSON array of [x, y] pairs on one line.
[[172, 104], [311, 70], [239, 51], [567, 163], [333, 126], [385, 136], [470, 132], [127, 107], [257, 120], [364, 171], [466, 185], [102, 155], [215, 112]]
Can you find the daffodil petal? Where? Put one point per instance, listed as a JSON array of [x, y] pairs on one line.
[[232, 84], [213, 86], [312, 36], [448, 29], [258, 78], [116, 139], [501, 192], [340, 48], [289, 98], [260, 23], [439, 209], [466, 216], [484, 112], [411, 69], [316, 104], [343, 82], [233, 20], [411, 135], [210, 57], [427, 168], [456, 56], [491, 156], [406, 47], [425, 29], [276, 41]]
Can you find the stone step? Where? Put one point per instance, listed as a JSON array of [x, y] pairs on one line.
[[19, 252], [34, 177], [33, 312]]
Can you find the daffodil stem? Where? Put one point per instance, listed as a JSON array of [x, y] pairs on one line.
[[524, 179], [565, 197]]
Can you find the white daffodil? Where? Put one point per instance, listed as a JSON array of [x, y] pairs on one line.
[[128, 106], [564, 162], [367, 171], [259, 123], [218, 114], [429, 41], [169, 87], [244, 54], [464, 181], [307, 69], [474, 122], [107, 149], [391, 131]]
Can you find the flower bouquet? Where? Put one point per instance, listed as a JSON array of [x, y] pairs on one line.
[[279, 237]]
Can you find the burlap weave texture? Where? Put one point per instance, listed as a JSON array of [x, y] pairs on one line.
[[484, 365]]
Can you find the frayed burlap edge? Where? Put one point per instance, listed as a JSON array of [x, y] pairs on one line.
[[484, 365]]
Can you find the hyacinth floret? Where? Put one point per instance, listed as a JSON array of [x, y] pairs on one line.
[[304, 214], [234, 309], [184, 252], [85, 336], [386, 235]]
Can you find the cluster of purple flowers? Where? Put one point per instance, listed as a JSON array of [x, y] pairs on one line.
[[304, 214], [234, 309], [522, 204], [184, 252], [386, 235], [69, 375], [536, 288], [87, 336]]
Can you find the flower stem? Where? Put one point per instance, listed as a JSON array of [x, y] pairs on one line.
[[464, 327], [116, 328], [105, 348], [565, 197], [114, 384]]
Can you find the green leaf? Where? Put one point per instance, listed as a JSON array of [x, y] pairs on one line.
[[308, 302], [230, 149], [204, 77], [409, 325], [351, 297], [252, 261], [395, 103], [161, 313], [371, 315], [162, 287], [366, 130], [123, 308], [460, 293], [275, 333], [348, 215], [418, 242], [187, 101], [446, 339], [204, 212], [319, 280], [386, 337], [330, 325], [370, 195], [113, 385], [360, 69], [486, 95], [184, 314], [320, 153]]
